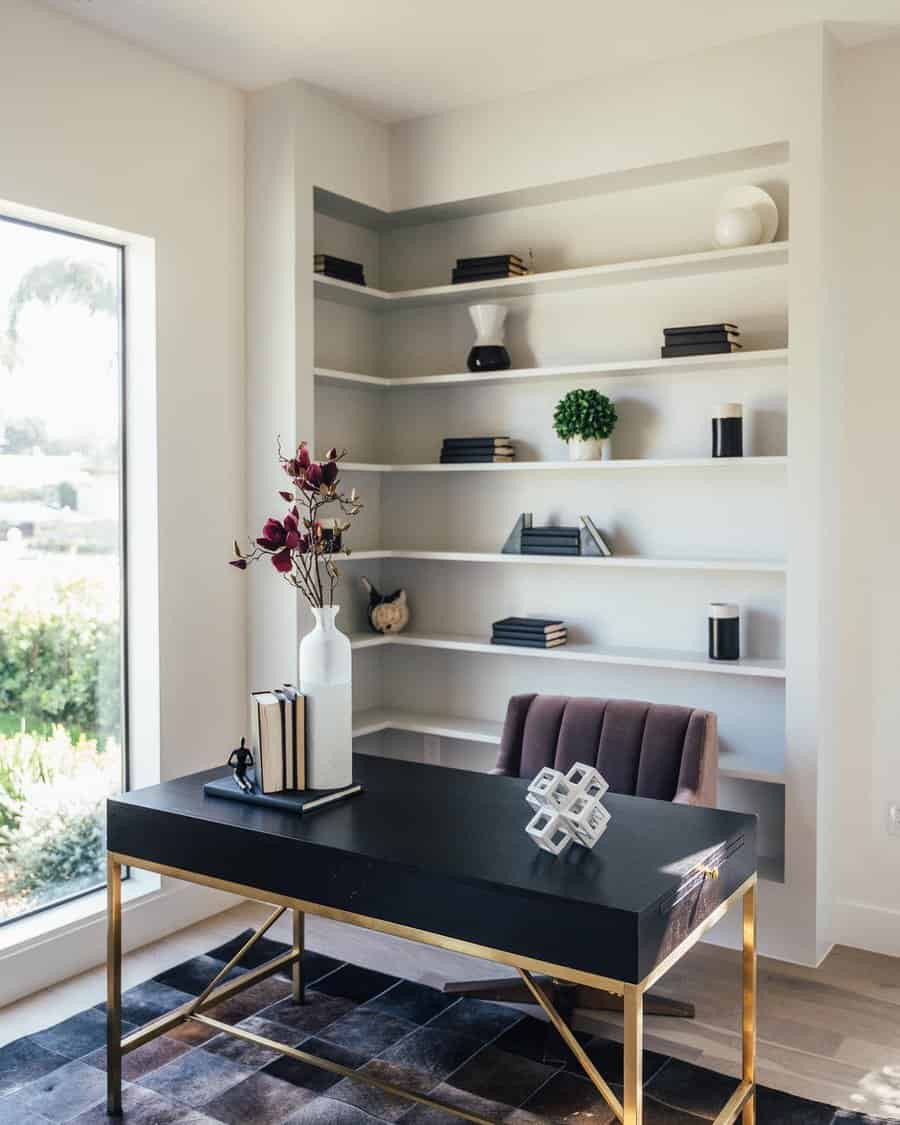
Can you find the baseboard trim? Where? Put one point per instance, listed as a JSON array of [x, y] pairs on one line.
[[75, 948], [863, 926]]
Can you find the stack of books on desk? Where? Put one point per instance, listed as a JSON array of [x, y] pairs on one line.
[[489, 268], [529, 632], [475, 450], [279, 736], [701, 339], [551, 541], [339, 268]]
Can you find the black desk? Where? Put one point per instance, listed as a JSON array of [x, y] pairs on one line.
[[440, 856]]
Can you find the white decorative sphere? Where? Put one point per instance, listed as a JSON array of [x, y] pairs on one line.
[[739, 226]]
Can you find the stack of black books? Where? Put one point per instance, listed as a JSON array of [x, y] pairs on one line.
[[529, 632], [701, 339], [339, 268], [489, 268], [468, 450], [551, 541]]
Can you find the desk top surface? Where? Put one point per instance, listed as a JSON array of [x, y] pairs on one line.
[[459, 825]]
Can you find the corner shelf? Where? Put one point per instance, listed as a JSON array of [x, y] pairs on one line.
[[635, 657], [616, 562], [588, 277], [732, 766], [764, 357], [644, 463]]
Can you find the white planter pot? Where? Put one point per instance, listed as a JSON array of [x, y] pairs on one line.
[[326, 679], [589, 449]]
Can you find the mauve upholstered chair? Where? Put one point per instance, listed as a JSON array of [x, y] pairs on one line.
[[643, 749]]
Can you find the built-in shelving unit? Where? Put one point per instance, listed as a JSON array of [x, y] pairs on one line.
[[555, 281], [615, 562], [762, 357], [719, 464], [697, 528], [595, 654]]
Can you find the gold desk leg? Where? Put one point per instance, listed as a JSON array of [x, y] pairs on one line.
[[298, 987], [634, 1058], [113, 987], [750, 1002]]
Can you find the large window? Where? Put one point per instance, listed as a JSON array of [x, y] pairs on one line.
[[62, 745]]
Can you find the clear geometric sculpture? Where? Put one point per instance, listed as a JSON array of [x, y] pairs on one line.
[[567, 807]]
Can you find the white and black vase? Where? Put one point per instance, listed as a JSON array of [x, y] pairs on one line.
[[488, 352], [728, 430], [724, 631]]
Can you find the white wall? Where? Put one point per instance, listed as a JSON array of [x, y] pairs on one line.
[[867, 859], [98, 130]]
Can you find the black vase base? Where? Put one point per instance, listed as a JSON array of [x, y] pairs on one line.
[[489, 357]]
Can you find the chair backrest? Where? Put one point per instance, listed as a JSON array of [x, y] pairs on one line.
[[644, 749]]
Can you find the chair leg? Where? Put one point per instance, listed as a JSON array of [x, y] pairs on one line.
[[512, 991]]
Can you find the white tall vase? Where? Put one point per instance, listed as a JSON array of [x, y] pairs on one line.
[[326, 679]]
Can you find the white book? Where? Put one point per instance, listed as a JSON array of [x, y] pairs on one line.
[[268, 738]]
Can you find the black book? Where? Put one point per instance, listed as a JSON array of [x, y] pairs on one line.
[[468, 442], [332, 260], [537, 624], [698, 349], [291, 800], [525, 643], [550, 549], [471, 279], [479, 451], [342, 275], [539, 540], [490, 260], [683, 329], [474, 458], [501, 269], [511, 638], [704, 338], [562, 532]]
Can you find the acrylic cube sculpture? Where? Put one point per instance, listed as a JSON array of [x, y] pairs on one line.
[[567, 807]]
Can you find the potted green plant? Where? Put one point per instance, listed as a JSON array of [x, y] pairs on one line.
[[584, 419]]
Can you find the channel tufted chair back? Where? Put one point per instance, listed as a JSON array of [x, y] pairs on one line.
[[643, 749]]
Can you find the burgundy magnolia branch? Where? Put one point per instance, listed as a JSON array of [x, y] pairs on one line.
[[299, 547]]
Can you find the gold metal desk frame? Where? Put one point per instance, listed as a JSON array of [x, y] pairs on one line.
[[740, 1104]]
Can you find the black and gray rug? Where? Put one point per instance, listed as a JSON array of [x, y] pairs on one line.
[[485, 1057]]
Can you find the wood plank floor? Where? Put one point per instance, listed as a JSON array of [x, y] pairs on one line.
[[832, 1033]]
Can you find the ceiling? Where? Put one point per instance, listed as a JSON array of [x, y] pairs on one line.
[[405, 58]]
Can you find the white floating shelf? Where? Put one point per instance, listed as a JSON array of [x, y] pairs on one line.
[[637, 657], [766, 357], [588, 277], [617, 562], [644, 463], [733, 766], [444, 726]]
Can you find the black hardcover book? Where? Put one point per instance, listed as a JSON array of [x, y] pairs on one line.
[[490, 260], [547, 549], [698, 349], [539, 624], [562, 532], [468, 279], [342, 275], [704, 338], [540, 540], [474, 442], [474, 458], [526, 643], [530, 634], [290, 800], [500, 269], [681, 330], [333, 260], [479, 451]]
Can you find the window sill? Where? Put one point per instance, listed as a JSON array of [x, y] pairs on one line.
[[86, 909]]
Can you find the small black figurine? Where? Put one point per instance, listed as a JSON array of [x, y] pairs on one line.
[[241, 759]]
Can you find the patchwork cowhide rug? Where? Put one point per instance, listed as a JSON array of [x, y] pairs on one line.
[[487, 1058]]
